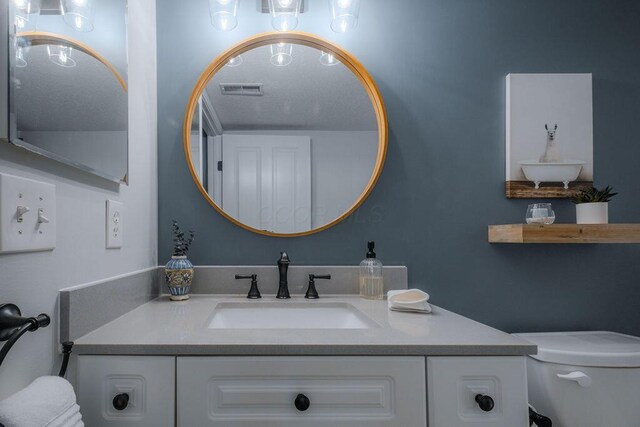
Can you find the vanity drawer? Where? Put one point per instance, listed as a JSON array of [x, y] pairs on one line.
[[454, 382], [262, 391]]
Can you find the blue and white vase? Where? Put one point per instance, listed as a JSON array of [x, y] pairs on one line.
[[179, 274]]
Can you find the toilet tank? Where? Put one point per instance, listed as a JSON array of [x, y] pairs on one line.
[[585, 379]]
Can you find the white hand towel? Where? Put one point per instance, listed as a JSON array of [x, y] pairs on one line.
[[411, 300], [46, 402]]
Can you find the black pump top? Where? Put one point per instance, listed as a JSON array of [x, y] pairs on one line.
[[371, 246]]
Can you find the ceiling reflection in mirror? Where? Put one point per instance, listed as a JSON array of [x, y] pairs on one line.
[[68, 95], [284, 139]]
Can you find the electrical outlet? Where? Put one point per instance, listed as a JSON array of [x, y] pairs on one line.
[[27, 215], [114, 224]]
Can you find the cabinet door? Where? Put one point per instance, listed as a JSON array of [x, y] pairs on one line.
[[265, 391], [148, 382], [454, 383]]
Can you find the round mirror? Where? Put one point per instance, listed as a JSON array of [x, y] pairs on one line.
[[285, 134]]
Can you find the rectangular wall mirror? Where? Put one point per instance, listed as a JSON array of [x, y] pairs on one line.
[[67, 71]]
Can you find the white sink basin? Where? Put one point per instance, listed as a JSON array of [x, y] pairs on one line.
[[288, 316]]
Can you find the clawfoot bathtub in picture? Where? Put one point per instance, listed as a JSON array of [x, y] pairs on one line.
[[565, 172], [551, 167]]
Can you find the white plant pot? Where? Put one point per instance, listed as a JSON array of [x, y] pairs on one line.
[[592, 213]]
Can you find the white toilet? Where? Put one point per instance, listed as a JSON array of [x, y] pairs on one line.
[[585, 379]]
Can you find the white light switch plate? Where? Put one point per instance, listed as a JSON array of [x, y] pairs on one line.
[[35, 229], [114, 224]]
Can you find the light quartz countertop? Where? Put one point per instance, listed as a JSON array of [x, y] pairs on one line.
[[163, 327]]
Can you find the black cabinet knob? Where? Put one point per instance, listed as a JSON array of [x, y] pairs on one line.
[[485, 402], [121, 401], [302, 402]]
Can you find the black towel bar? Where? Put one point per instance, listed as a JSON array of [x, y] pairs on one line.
[[13, 326]]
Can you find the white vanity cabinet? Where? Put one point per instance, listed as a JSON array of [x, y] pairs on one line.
[[318, 391], [301, 391], [147, 381]]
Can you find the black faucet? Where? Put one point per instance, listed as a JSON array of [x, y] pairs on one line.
[[283, 286]]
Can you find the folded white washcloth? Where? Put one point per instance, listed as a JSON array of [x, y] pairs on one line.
[[412, 300], [46, 402]]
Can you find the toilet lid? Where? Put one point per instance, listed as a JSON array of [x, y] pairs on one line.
[[593, 348]]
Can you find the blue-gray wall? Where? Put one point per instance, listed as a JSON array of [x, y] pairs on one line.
[[440, 65]]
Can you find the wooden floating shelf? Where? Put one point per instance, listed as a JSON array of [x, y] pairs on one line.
[[526, 190], [564, 233]]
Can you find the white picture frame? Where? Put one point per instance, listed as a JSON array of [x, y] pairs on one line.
[[557, 160]]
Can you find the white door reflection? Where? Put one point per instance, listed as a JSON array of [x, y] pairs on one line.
[[267, 181]]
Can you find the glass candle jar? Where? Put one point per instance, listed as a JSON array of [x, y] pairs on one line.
[[540, 213]]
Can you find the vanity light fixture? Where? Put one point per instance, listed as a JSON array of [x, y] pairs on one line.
[[224, 14], [344, 15], [281, 54], [61, 55], [284, 14], [328, 59], [21, 61], [26, 14], [235, 61], [78, 14]]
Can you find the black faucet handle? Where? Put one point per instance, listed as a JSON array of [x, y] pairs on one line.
[[312, 293], [254, 293]]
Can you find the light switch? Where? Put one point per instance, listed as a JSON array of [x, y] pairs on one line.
[[27, 215], [114, 224]]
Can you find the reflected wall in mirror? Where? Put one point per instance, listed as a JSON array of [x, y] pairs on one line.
[[68, 93], [285, 134]]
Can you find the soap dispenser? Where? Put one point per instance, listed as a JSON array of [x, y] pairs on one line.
[[371, 285]]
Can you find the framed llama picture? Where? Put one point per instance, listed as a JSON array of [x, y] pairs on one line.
[[549, 135]]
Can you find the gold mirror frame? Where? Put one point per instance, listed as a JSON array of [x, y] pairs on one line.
[[37, 38], [310, 40]]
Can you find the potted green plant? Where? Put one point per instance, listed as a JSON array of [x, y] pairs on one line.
[[592, 205], [179, 270]]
